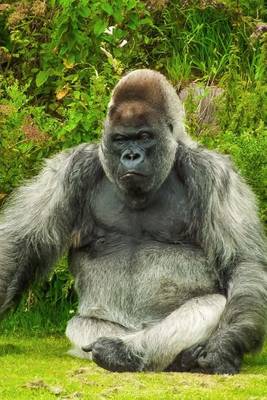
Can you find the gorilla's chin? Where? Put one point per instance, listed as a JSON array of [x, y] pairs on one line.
[[136, 188]]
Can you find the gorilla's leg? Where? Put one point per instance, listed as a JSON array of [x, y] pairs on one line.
[[156, 347], [83, 331]]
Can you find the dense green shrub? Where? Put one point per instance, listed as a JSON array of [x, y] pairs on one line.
[[59, 60]]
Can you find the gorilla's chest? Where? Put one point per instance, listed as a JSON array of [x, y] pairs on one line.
[[133, 265], [164, 219]]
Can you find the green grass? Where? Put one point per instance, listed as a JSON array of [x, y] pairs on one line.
[[39, 368]]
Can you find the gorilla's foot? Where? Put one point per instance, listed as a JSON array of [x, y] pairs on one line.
[[114, 355], [206, 359]]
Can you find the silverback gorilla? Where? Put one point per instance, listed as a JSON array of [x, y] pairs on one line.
[[163, 239]]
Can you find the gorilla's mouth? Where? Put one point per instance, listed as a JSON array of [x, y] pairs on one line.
[[131, 174]]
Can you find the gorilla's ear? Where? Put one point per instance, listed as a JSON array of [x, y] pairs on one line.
[[170, 126], [111, 110]]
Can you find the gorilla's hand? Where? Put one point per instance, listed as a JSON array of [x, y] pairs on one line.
[[114, 355], [210, 358]]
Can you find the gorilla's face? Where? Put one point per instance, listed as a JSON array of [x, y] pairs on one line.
[[137, 150]]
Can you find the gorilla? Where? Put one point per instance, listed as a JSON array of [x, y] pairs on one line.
[[162, 236]]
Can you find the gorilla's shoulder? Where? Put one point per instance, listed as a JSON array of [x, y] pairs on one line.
[[200, 160], [83, 155], [210, 171], [84, 163], [77, 164]]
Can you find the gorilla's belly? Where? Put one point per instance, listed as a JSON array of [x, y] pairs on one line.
[[136, 284]]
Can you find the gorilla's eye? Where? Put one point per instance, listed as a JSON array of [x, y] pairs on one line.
[[144, 136], [118, 139]]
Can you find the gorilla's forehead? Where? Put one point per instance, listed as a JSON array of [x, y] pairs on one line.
[[133, 113], [142, 88]]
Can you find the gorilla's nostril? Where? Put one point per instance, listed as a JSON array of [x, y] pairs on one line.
[[130, 158]]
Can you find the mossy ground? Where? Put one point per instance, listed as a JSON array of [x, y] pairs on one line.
[[39, 368]]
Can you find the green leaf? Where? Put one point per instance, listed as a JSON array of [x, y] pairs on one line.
[[134, 22], [84, 12], [146, 21], [107, 8], [41, 78], [118, 16], [99, 27], [130, 4]]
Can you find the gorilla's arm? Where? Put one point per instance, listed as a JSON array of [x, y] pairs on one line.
[[37, 222], [224, 220]]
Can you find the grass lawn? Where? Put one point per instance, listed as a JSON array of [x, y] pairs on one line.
[[39, 368]]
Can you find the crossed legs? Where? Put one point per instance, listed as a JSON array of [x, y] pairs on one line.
[[154, 348]]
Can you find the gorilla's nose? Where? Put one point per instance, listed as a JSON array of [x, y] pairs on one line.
[[130, 159]]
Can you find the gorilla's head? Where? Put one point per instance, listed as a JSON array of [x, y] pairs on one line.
[[144, 122]]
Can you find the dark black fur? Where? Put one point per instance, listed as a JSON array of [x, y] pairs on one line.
[[115, 355]]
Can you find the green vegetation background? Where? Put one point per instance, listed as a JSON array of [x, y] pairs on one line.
[[59, 60]]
